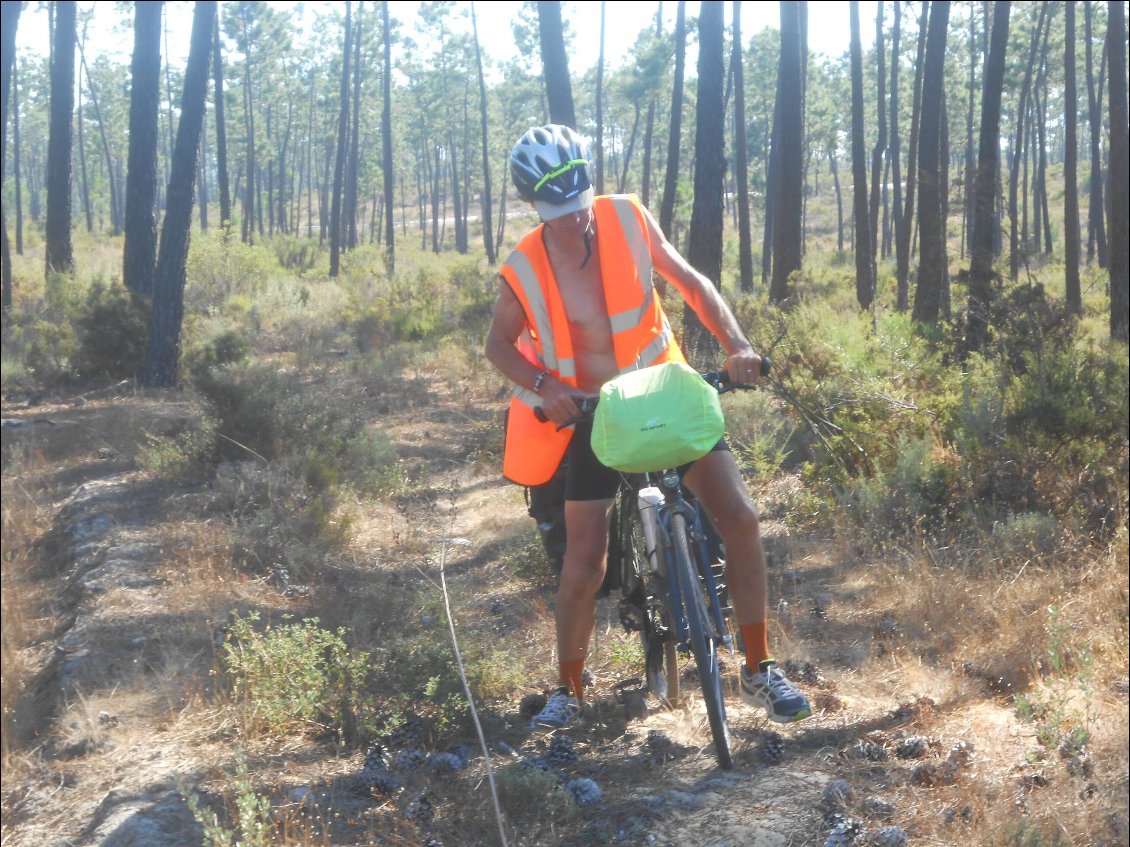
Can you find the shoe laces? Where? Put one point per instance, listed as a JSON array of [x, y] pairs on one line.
[[778, 683]]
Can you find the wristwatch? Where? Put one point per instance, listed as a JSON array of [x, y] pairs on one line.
[[539, 380]]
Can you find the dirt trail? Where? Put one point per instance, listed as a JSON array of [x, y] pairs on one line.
[[122, 713]]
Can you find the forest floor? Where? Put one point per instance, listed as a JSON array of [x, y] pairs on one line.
[[122, 714]]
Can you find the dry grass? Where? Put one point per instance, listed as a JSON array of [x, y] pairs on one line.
[[22, 618]]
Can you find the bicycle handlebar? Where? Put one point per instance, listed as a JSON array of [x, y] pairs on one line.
[[720, 380]]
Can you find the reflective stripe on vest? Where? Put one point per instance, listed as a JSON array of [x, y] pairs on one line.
[[641, 333]]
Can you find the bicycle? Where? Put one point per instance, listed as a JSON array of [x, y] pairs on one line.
[[672, 589]]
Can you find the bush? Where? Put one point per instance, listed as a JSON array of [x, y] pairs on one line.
[[112, 327], [297, 676]]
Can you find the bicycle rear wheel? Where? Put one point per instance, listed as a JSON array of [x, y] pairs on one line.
[[703, 640]]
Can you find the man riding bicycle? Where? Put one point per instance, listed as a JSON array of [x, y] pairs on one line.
[[576, 308]]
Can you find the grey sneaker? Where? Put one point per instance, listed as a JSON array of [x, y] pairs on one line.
[[770, 690], [561, 709]]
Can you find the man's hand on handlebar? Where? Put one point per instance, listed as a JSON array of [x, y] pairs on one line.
[[559, 401], [744, 367]]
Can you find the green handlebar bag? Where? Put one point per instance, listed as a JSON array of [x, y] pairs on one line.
[[655, 418]]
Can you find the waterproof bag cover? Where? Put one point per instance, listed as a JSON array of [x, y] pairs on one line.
[[655, 418]]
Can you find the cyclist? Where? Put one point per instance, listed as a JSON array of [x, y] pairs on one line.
[[575, 308]]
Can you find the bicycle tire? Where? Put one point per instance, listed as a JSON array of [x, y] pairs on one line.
[[703, 643], [661, 669]]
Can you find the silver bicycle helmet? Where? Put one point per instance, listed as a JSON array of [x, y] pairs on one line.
[[549, 166]]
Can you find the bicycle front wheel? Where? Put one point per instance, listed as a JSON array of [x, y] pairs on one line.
[[704, 644]]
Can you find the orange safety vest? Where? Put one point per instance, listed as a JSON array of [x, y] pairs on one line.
[[641, 333]]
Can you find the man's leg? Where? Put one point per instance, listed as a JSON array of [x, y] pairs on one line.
[[718, 484], [586, 532]]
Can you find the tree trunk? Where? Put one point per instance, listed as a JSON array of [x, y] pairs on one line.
[[881, 141], [339, 160], [985, 183], [484, 205], [221, 129], [59, 255], [1096, 225], [115, 210], [386, 141], [354, 164], [140, 252], [839, 198], [17, 177], [1117, 198], [864, 250], [456, 196], [250, 191], [967, 176], [671, 176], [772, 169], [555, 64], [162, 352], [9, 19], [741, 157], [789, 190], [1070, 165], [902, 242], [202, 177], [623, 181], [649, 131], [84, 178], [704, 248], [1017, 153], [600, 108], [929, 295]]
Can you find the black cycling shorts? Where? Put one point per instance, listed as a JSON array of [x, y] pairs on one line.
[[587, 479]]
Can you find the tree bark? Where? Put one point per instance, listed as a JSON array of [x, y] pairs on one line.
[[929, 296], [985, 183], [386, 142], [354, 163], [881, 142], [1096, 225], [789, 190], [704, 247], [9, 19], [864, 250], [139, 255], [1070, 165], [741, 157], [600, 108], [649, 130], [59, 254], [339, 160], [671, 176], [1017, 154], [115, 209], [902, 242], [84, 177], [555, 64], [484, 205], [162, 352], [1117, 199], [221, 128], [17, 168]]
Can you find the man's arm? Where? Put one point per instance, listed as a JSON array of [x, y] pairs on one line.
[[743, 364], [506, 326]]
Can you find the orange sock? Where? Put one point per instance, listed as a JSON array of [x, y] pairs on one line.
[[756, 638], [572, 675]]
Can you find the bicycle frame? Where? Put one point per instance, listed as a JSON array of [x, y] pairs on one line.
[[675, 501]]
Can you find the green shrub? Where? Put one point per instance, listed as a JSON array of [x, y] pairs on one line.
[[187, 453], [111, 328], [297, 676]]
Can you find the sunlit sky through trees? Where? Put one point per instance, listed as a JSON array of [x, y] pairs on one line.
[[110, 32]]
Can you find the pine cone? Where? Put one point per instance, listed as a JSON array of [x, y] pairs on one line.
[[868, 750], [584, 791], [913, 747], [877, 807], [888, 836], [838, 794], [375, 775], [561, 751], [773, 748], [845, 834]]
